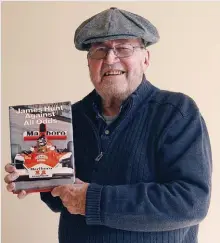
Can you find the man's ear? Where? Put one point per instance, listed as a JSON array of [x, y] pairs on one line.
[[146, 59]]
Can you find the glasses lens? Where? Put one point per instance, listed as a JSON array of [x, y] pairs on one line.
[[119, 51], [124, 50], [98, 53]]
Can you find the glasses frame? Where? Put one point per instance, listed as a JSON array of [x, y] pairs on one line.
[[114, 51]]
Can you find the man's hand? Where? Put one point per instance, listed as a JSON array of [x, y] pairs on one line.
[[73, 196], [12, 176]]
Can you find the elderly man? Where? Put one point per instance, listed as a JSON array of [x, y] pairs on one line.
[[143, 157]]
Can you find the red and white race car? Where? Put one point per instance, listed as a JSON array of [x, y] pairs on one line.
[[44, 160]]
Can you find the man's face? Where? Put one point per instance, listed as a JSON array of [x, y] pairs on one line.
[[41, 142], [118, 77]]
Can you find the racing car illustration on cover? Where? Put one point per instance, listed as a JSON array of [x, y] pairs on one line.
[[43, 160]]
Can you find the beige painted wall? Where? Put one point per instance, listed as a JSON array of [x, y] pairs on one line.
[[40, 64]]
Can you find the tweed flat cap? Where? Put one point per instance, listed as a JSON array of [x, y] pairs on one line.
[[112, 24]]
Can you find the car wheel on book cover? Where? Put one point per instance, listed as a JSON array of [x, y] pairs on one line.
[[70, 146], [16, 149], [67, 161]]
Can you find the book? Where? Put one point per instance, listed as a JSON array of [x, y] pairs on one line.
[[42, 149]]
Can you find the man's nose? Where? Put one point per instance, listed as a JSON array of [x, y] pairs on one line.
[[110, 57]]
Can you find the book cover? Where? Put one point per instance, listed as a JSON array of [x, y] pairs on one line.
[[42, 150]]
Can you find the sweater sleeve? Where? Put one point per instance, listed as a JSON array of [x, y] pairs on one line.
[[180, 199], [54, 203]]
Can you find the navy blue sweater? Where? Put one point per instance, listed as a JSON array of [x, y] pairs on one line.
[[149, 171]]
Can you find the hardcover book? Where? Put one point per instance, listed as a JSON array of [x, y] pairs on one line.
[[42, 149]]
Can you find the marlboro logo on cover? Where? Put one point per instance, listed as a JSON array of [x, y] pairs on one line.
[[51, 135]]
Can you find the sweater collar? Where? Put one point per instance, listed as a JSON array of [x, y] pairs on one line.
[[143, 92]]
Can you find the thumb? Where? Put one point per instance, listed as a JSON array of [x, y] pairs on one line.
[[55, 192]]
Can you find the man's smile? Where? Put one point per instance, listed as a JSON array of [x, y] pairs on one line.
[[113, 73]]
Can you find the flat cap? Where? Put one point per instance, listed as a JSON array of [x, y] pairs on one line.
[[112, 24]]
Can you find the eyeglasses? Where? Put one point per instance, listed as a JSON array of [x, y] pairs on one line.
[[120, 50]]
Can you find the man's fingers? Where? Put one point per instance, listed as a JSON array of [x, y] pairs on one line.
[[22, 194], [60, 191], [71, 210], [67, 204], [11, 177], [10, 187], [10, 168], [56, 191]]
